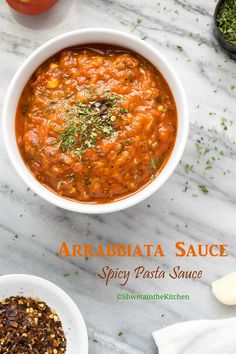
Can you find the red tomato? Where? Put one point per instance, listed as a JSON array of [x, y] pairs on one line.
[[31, 7]]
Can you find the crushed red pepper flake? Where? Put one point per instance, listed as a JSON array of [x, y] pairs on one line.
[[29, 326]]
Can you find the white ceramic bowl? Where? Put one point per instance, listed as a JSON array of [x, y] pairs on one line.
[[69, 314], [94, 35]]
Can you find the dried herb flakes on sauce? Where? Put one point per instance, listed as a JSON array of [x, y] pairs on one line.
[[89, 122], [29, 326]]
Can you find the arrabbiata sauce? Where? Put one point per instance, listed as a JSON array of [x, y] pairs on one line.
[[96, 123]]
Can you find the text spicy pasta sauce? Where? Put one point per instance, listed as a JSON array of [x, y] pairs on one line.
[[96, 123]]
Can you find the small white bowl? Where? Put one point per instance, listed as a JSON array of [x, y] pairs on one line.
[[69, 314], [79, 37]]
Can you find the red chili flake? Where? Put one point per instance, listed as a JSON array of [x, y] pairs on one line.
[[29, 326]]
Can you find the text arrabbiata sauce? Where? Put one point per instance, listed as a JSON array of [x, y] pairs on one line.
[[96, 123]]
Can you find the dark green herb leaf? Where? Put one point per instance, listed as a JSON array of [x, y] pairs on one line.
[[203, 188], [180, 48], [88, 122], [188, 168], [153, 164]]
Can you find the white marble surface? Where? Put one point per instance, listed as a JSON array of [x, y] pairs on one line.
[[182, 30]]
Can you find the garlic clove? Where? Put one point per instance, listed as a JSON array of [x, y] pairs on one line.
[[224, 289]]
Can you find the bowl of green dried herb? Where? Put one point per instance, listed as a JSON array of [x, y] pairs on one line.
[[36, 316], [225, 25]]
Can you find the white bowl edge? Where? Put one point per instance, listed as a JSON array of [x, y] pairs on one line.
[[57, 299]]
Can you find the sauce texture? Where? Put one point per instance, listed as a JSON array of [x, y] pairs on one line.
[[96, 123]]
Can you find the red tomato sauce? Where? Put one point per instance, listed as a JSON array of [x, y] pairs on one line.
[[96, 123]]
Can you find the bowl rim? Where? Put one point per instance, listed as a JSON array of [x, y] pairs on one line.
[[53, 289], [132, 199]]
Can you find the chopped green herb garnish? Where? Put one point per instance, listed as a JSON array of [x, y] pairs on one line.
[[224, 123], [153, 164], [88, 89], [89, 122], [208, 165], [188, 168], [203, 188], [180, 48], [138, 22], [186, 187], [226, 20]]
